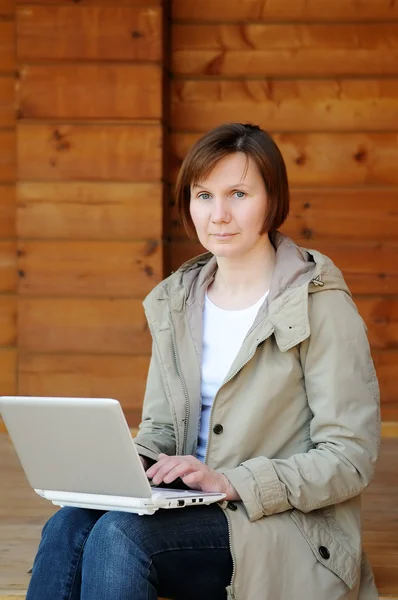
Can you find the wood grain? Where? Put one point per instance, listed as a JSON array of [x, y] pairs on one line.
[[89, 152], [386, 364], [82, 326], [7, 102], [113, 3], [321, 159], [121, 377], [8, 266], [7, 47], [89, 211], [369, 268], [7, 156], [89, 33], [362, 213], [381, 317], [87, 92], [286, 105], [7, 211], [108, 269], [8, 371], [8, 320], [283, 10], [7, 7], [286, 49]]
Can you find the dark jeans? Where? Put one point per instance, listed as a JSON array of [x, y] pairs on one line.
[[181, 554]]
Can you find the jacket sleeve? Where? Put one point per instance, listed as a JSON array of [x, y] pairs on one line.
[[343, 395], [156, 430]]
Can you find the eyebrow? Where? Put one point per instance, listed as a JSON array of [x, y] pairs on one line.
[[201, 185]]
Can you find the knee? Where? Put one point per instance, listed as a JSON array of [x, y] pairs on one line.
[[67, 522], [116, 531]]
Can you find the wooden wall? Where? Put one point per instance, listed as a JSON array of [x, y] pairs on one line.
[[84, 170], [88, 85], [8, 268], [322, 77]]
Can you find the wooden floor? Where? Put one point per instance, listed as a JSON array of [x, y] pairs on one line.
[[23, 513]]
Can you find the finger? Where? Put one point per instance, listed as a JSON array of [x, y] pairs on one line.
[[160, 463], [177, 469]]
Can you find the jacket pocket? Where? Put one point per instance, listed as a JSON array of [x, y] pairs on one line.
[[329, 544]]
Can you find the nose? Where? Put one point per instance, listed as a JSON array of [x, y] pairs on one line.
[[220, 212]]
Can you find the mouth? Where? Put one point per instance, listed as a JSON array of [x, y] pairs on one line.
[[223, 235]]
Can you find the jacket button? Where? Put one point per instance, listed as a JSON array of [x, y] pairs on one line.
[[324, 552], [232, 506], [218, 429]]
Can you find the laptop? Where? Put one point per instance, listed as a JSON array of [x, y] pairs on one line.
[[80, 452]]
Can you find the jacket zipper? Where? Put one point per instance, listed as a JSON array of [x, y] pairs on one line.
[[230, 548], [184, 387], [207, 446]]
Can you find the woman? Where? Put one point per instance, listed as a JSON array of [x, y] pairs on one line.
[[261, 385]]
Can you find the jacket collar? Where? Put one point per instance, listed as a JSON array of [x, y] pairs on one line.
[[297, 273]]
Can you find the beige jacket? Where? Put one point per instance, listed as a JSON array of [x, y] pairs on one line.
[[301, 425]]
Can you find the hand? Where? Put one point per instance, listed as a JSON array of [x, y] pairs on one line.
[[193, 473]]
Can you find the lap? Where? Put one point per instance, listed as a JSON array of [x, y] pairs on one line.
[[187, 550], [203, 527]]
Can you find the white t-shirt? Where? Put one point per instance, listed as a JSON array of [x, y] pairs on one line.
[[223, 335]]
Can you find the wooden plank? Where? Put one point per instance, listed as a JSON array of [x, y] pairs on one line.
[[381, 317], [89, 152], [287, 105], [120, 377], [7, 47], [363, 214], [366, 214], [89, 33], [290, 49], [323, 159], [114, 3], [386, 364], [8, 371], [7, 7], [389, 429], [90, 91], [8, 266], [8, 320], [369, 268], [7, 102], [7, 156], [283, 10], [7, 211], [82, 326], [89, 211], [389, 412], [125, 269]]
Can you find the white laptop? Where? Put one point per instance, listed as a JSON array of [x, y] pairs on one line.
[[80, 452]]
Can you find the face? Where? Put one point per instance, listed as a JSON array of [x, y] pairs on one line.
[[228, 208]]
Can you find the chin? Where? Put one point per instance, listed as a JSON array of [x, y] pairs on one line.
[[225, 251]]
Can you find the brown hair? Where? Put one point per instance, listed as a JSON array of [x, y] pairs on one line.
[[226, 139]]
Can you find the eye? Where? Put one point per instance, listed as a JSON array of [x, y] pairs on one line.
[[204, 196], [239, 194]]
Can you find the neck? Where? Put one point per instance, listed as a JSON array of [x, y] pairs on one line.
[[246, 275]]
